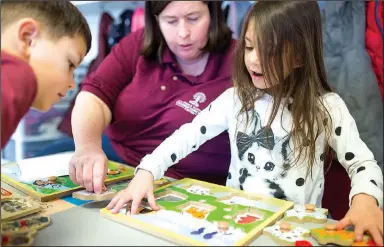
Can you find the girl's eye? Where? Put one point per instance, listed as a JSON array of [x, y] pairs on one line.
[[71, 65], [249, 48]]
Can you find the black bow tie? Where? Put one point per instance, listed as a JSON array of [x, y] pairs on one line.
[[264, 137]]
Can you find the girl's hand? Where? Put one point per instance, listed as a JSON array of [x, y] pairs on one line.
[[365, 215], [141, 186]]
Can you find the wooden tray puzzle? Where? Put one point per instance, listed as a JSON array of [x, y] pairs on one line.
[[56, 187], [199, 213]]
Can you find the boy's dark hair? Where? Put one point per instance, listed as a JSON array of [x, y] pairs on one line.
[[220, 35], [58, 18]]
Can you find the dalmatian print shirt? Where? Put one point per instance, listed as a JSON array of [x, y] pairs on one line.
[[261, 156]]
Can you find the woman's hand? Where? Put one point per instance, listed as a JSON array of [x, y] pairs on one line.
[[88, 168], [141, 186], [366, 216]]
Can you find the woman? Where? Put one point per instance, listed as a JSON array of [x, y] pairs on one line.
[[151, 83]]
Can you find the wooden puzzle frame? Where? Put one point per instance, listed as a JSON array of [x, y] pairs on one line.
[[47, 197], [183, 240]]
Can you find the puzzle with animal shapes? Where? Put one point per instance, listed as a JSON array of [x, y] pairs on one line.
[[330, 235], [18, 238], [17, 206], [285, 234], [193, 212], [25, 225], [110, 191], [56, 187], [306, 213]]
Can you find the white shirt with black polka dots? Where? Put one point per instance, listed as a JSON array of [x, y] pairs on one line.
[[261, 156]]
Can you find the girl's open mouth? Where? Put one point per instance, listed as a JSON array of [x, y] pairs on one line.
[[256, 75]]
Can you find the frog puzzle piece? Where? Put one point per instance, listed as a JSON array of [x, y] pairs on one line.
[[306, 213], [330, 235], [284, 233]]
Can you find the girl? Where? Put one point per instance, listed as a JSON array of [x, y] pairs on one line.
[[280, 115]]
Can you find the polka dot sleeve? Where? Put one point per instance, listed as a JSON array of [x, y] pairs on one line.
[[366, 176], [210, 122]]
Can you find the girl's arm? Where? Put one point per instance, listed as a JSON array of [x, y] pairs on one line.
[[353, 153], [209, 123]]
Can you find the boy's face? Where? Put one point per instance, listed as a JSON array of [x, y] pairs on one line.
[[54, 62]]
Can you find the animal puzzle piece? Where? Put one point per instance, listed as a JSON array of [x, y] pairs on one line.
[[107, 194], [195, 212], [5, 193], [18, 239], [209, 235], [17, 207], [306, 213], [330, 235], [285, 234], [247, 219], [25, 225], [51, 182], [199, 231]]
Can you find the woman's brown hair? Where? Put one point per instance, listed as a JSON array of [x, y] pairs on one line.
[[220, 35], [288, 38]]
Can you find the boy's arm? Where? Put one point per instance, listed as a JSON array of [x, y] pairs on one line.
[[209, 123], [366, 176]]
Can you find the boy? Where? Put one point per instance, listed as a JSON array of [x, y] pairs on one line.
[[42, 42]]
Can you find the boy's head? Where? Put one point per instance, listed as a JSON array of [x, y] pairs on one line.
[[53, 37]]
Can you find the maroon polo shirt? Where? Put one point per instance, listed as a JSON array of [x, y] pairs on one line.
[[149, 101], [18, 90]]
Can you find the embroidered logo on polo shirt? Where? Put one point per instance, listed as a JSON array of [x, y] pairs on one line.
[[193, 105]]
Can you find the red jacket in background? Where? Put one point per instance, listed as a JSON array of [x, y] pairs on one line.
[[374, 39]]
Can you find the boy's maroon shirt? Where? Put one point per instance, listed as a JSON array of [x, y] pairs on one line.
[[18, 90]]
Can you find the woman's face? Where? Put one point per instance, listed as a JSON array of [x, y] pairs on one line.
[[185, 26]]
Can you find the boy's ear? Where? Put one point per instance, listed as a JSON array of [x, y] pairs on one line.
[[27, 32]]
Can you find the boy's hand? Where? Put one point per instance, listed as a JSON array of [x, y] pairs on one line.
[[365, 215], [88, 168], [141, 186]]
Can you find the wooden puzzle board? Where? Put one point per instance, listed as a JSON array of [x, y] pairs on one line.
[[14, 205], [191, 209], [46, 190]]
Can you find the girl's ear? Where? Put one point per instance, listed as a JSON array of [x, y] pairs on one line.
[[27, 33]]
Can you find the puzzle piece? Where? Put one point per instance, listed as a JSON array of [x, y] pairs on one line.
[[330, 235], [18, 238], [306, 213], [284, 233], [25, 225], [17, 206], [5, 193]]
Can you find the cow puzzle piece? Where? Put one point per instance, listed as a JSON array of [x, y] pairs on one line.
[[284, 233], [306, 213]]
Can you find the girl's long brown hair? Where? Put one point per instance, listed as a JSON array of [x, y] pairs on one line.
[[288, 37]]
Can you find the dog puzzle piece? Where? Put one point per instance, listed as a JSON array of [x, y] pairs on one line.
[[306, 213], [25, 225], [284, 233], [330, 235]]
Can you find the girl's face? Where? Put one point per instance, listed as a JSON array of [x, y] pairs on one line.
[[251, 59]]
